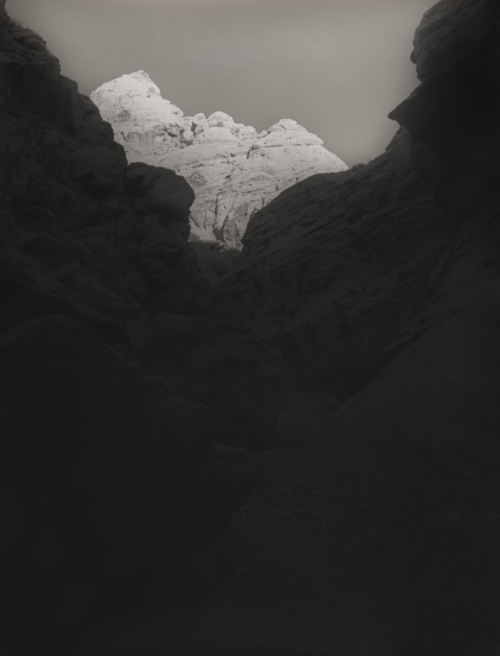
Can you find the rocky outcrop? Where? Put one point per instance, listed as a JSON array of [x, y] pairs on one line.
[[455, 111], [104, 467], [233, 170], [441, 384], [449, 31], [331, 269], [85, 234], [101, 472], [77, 221]]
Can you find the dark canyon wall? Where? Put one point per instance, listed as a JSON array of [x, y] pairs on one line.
[[125, 408], [131, 389], [442, 383]]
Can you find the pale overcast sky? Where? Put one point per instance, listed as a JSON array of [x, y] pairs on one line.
[[337, 67]]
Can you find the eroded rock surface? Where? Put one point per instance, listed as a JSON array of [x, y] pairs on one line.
[[401, 272], [88, 235], [332, 268], [441, 384], [233, 170], [451, 29], [105, 467], [77, 222]]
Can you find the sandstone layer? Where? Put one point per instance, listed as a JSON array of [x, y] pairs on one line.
[[233, 170]]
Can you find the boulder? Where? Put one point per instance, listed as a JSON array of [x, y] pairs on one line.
[[162, 191], [101, 472], [233, 170]]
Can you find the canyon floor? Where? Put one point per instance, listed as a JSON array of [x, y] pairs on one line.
[[350, 545]]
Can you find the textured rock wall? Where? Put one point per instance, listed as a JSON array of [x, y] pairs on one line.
[[395, 262], [455, 110], [441, 384], [233, 170], [333, 267], [86, 234], [450, 30], [107, 462], [77, 222]]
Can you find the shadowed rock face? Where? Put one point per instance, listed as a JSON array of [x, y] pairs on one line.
[[233, 170], [389, 273], [442, 383], [381, 284], [86, 234], [449, 31], [442, 386], [73, 224], [100, 472], [331, 269], [104, 467]]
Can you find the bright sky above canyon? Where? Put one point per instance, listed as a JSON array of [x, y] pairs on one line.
[[337, 67]]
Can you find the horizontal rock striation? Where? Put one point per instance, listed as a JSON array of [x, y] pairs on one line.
[[233, 170]]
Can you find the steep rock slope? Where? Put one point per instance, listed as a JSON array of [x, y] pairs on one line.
[[233, 170], [331, 269], [442, 382]]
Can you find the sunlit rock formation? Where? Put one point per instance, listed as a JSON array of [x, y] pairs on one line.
[[233, 170]]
